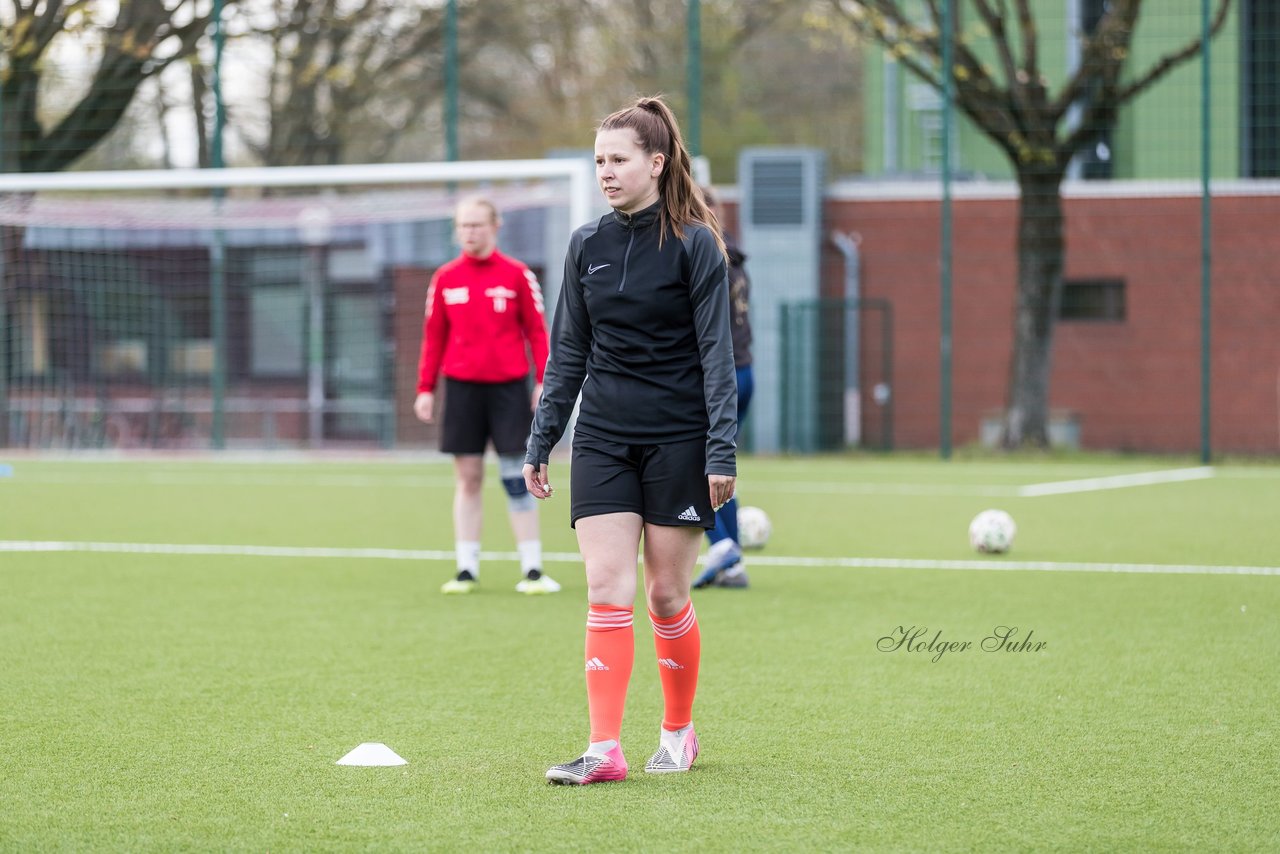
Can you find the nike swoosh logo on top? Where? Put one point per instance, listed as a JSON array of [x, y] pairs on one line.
[[593, 267]]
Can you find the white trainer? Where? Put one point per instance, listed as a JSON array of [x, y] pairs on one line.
[[537, 583], [462, 585]]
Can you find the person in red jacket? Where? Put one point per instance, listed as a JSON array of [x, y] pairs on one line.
[[484, 320]]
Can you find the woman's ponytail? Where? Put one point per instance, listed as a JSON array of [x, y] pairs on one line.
[[658, 132]]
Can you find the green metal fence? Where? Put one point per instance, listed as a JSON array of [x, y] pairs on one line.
[[1188, 160], [836, 387]]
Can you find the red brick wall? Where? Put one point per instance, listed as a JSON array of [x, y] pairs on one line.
[[1133, 385], [409, 288]]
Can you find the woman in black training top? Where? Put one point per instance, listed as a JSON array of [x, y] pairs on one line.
[[642, 330]]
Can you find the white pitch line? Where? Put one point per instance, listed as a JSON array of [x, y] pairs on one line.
[[355, 481], [32, 546], [1018, 566], [233, 479], [1119, 481], [828, 488], [222, 550], [417, 481]]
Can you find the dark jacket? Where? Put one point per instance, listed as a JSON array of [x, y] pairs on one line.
[[739, 303], [643, 332]]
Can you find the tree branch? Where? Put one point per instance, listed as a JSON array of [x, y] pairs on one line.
[[1016, 78], [757, 22], [936, 14], [1095, 119], [1170, 61], [1102, 56], [47, 24], [995, 24], [981, 99], [1030, 40]]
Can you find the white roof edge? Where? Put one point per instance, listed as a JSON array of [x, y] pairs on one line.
[[293, 176], [906, 191]]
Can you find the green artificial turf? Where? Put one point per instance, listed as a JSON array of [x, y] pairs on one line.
[[165, 702]]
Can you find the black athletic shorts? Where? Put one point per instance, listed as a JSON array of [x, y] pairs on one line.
[[666, 484], [474, 413]]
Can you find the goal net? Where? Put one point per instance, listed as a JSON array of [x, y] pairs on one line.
[[244, 308]]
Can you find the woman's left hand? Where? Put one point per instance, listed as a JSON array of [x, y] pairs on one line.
[[535, 480], [722, 486]]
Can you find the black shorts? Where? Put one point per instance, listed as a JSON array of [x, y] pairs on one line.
[[666, 484], [474, 413]]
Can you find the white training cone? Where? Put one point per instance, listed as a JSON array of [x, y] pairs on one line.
[[372, 753]]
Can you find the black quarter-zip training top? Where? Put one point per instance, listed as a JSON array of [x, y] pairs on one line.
[[643, 332]]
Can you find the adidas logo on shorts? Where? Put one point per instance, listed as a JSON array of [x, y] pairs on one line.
[[690, 515]]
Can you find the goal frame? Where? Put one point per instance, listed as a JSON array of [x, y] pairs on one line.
[[578, 172]]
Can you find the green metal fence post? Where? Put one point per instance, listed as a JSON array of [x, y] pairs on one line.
[[694, 75], [948, 100], [217, 252], [887, 359], [784, 419], [4, 314], [1206, 247], [451, 80], [4, 355]]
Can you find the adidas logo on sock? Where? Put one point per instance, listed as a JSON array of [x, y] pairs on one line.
[[670, 664], [596, 664], [690, 515]]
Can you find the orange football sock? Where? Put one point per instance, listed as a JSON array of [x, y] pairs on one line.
[[679, 646], [611, 651]]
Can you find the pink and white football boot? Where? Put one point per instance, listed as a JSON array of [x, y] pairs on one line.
[[590, 768], [676, 752]]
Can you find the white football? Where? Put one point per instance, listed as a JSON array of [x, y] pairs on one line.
[[754, 527], [992, 531]]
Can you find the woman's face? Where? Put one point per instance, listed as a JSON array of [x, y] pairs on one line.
[[628, 176]]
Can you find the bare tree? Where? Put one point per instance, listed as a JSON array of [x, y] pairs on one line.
[[345, 81], [1013, 105], [558, 66], [199, 98], [139, 42], [348, 80]]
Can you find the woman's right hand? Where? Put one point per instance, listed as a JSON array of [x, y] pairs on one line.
[[535, 480], [424, 406]]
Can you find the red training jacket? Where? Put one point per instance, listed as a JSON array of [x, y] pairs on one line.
[[480, 314]]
